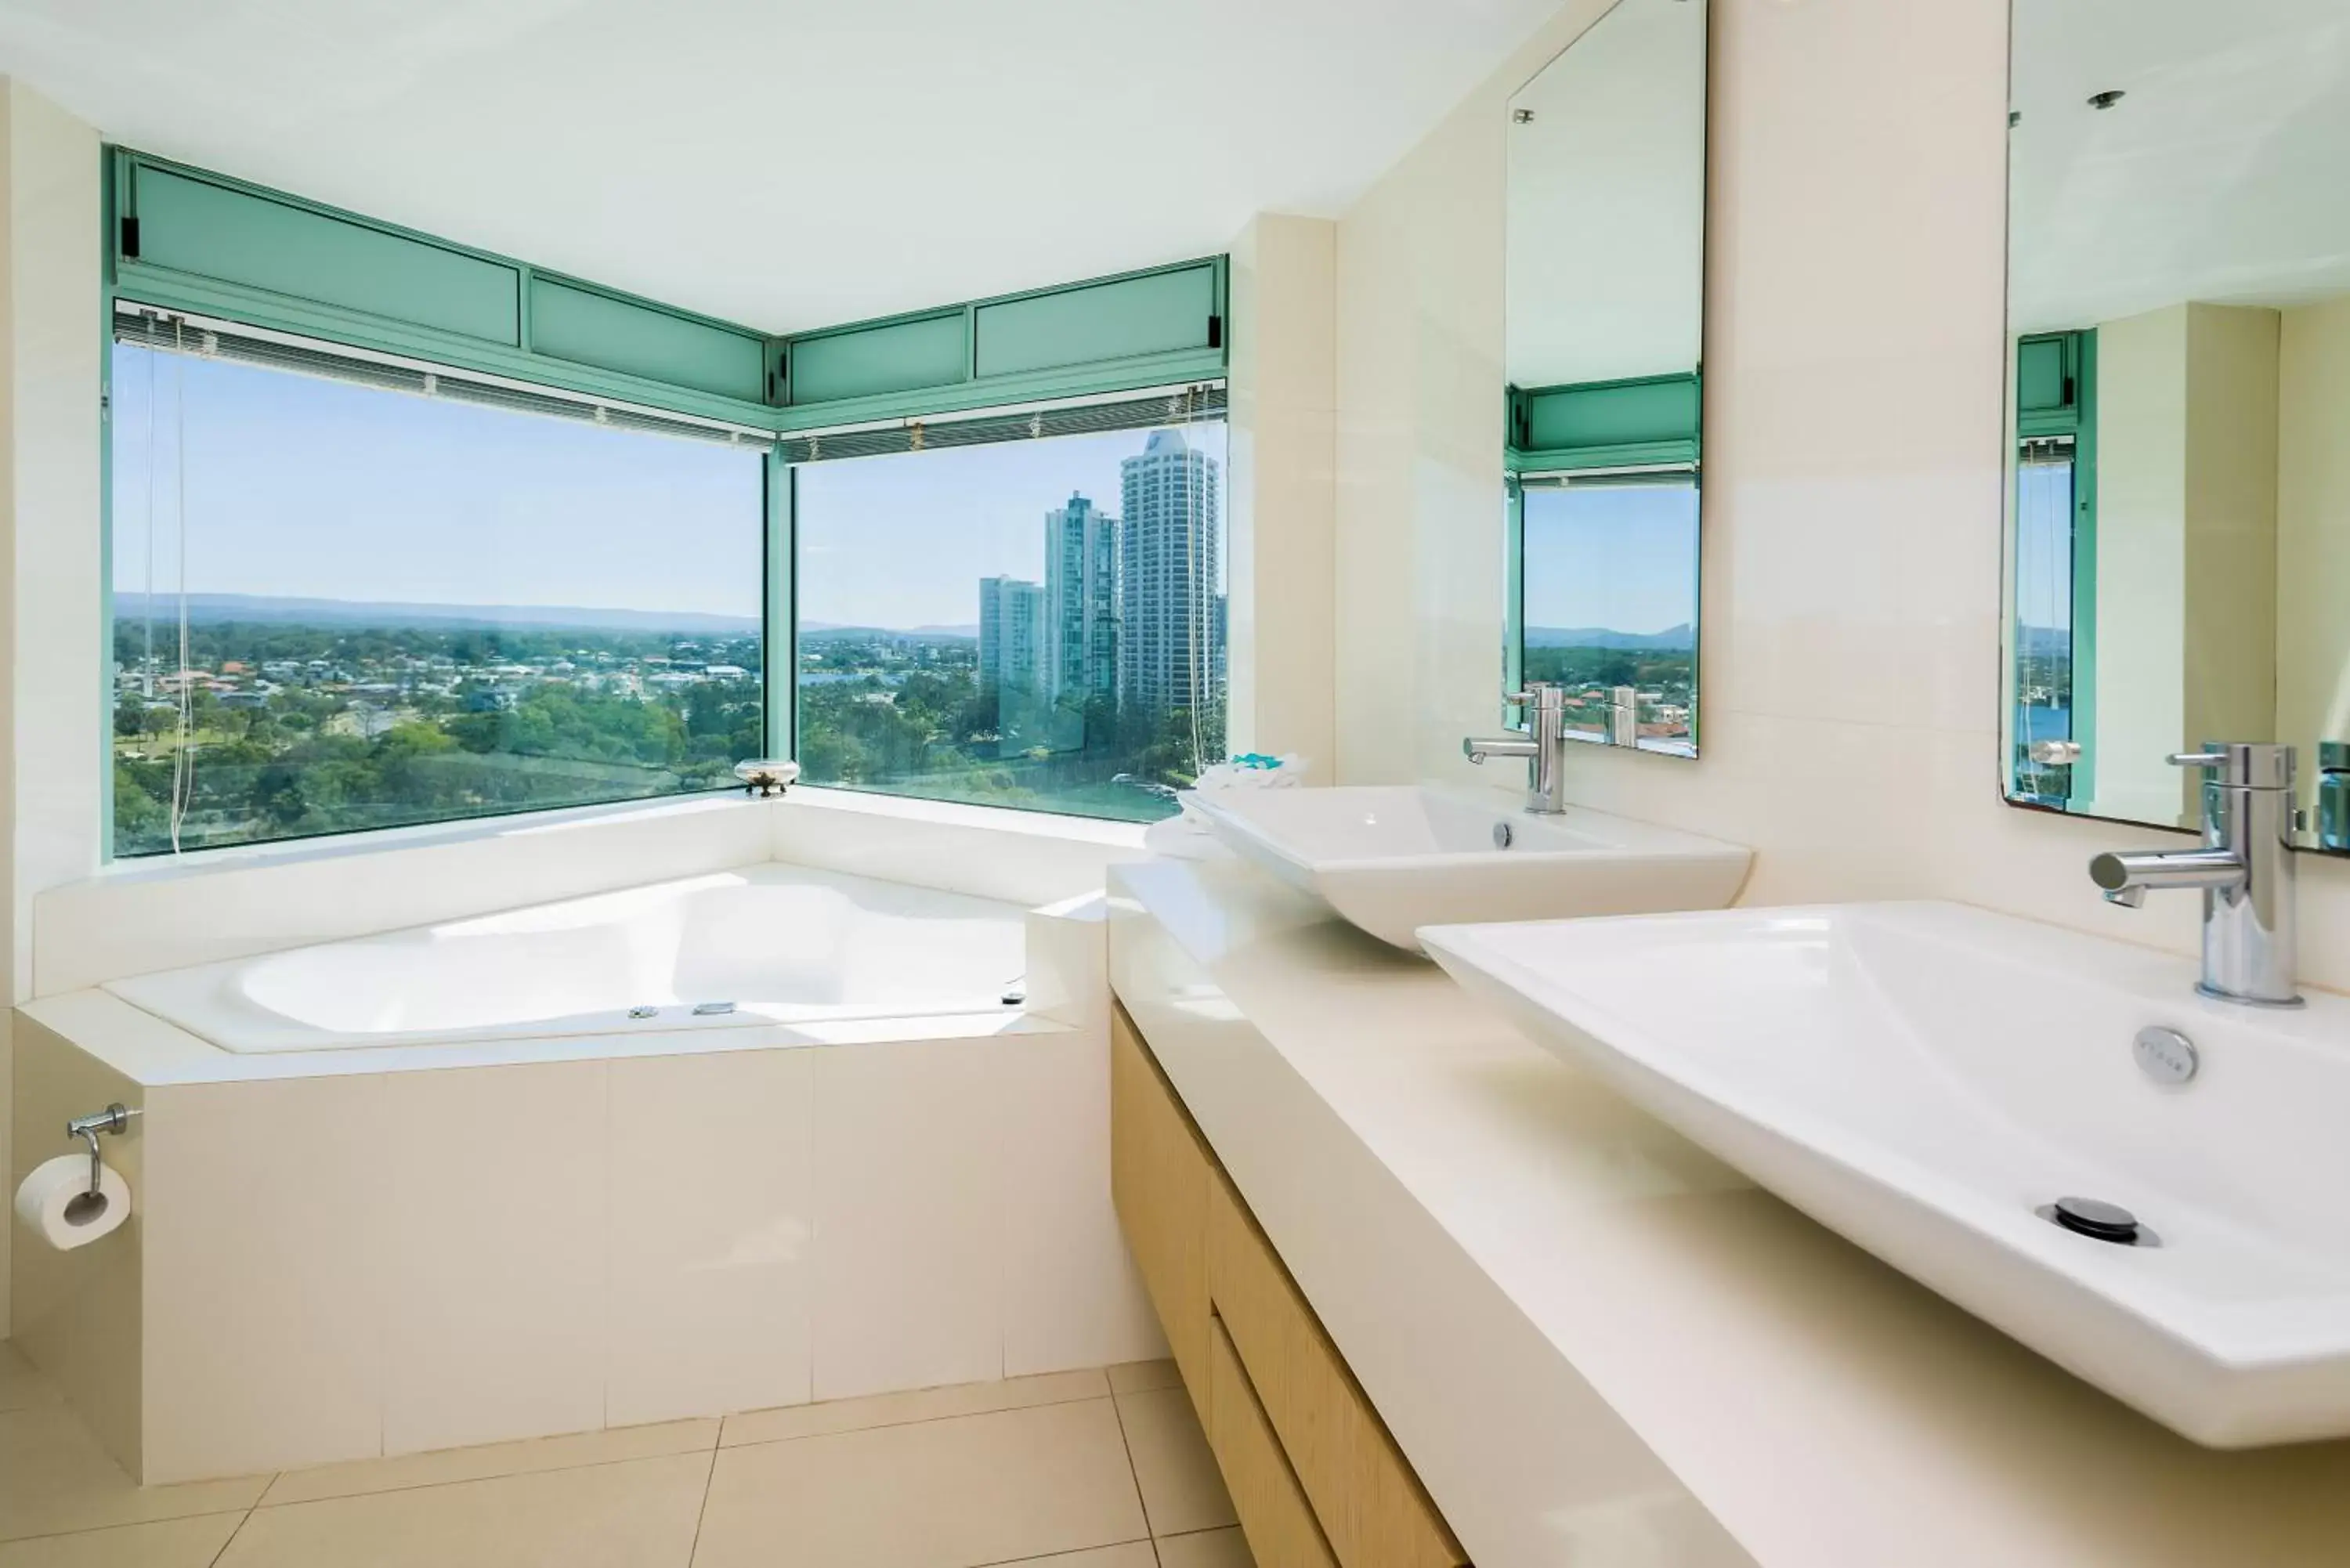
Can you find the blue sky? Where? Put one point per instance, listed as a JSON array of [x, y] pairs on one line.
[[1624, 559], [903, 541], [300, 487]]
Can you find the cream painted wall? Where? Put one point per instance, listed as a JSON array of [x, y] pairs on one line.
[[2141, 564], [2314, 525], [1853, 506], [1281, 506], [2231, 523], [52, 698]]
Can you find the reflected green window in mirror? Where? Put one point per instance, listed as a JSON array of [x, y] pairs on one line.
[[1602, 416], [2176, 508]]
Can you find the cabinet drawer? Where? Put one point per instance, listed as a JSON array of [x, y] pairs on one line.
[[1371, 1507], [1160, 1174], [1272, 1510]]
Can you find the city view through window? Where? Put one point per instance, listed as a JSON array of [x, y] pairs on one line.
[[1036, 623], [1610, 583], [401, 609]]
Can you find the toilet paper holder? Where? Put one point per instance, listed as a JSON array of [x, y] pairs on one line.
[[115, 1118]]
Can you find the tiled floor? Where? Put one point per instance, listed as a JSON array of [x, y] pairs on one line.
[[1075, 1470]]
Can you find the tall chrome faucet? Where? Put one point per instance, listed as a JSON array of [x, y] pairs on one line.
[[1543, 745], [2245, 869]]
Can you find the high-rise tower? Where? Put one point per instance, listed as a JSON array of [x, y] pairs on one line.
[[1169, 634], [1080, 601]]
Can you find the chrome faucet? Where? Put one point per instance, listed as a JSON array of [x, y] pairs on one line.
[[2245, 869], [1543, 745]]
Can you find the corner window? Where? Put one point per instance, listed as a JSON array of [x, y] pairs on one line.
[[340, 606], [1036, 622]]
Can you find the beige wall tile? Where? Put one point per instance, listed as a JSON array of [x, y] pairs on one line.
[[1181, 1488], [909, 1216], [55, 1477], [710, 1235], [493, 1254], [492, 1460], [166, 1543], [638, 1514], [935, 1494], [263, 1224], [919, 1405]]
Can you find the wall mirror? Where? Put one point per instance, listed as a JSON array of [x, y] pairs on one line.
[[2178, 401], [1606, 333]]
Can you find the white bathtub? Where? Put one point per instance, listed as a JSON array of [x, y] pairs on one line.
[[766, 944]]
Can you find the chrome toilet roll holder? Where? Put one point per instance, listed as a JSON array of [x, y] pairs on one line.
[[85, 1206]]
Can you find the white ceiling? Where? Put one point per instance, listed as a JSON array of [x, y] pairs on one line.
[[784, 163], [1606, 209], [2218, 177]]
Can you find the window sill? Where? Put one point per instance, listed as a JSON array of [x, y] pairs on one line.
[[431, 835], [1099, 832]]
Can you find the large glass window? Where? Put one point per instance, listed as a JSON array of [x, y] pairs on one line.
[[1608, 574], [2045, 745], [340, 606], [1034, 623]]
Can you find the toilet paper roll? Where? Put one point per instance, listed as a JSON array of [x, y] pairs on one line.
[[53, 1202]]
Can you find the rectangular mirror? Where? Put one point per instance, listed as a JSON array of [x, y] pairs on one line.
[[1606, 336], [2177, 403]]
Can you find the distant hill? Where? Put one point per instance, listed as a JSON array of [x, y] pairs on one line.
[[829, 631], [1680, 639], [215, 608], [2046, 642]]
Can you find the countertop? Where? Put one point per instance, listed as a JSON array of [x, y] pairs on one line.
[[1599, 1344]]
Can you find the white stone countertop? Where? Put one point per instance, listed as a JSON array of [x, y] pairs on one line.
[[1597, 1344]]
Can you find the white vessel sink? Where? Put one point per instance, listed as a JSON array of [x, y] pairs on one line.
[[1393, 858], [1925, 1078]]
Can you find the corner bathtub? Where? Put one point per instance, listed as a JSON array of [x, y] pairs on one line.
[[762, 945]]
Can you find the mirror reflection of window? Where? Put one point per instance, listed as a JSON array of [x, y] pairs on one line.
[[1605, 286], [1609, 605], [2178, 505]]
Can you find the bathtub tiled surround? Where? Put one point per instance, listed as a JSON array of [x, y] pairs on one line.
[[1091, 1467], [351, 1253]]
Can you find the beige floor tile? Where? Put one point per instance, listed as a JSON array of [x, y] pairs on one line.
[[1134, 1376], [491, 1459], [54, 1478], [637, 1513], [166, 1543], [921, 1405], [1181, 1489], [1205, 1549], [1130, 1554], [21, 1384], [948, 1493]]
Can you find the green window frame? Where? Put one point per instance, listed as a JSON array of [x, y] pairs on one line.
[[194, 242], [2055, 403]]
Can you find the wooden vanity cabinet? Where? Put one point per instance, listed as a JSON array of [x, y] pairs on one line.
[[1289, 1423]]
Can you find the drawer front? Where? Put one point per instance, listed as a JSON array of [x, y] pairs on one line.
[[1160, 1175], [1370, 1504], [1273, 1513]]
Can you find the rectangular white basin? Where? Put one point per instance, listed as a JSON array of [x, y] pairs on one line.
[[1391, 858], [1928, 1079]]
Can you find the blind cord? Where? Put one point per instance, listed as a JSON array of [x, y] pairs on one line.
[[184, 766]]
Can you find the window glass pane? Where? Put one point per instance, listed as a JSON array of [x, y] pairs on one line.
[[401, 609], [2043, 615], [1034, 623], [1610, 586]]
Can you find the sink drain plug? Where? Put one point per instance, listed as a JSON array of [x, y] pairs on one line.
[[2099, 1221]]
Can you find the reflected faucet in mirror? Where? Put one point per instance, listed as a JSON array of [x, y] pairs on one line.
[[2245, 869]]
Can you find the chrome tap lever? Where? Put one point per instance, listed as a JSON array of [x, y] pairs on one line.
[[1543, 745], [2245, 869]]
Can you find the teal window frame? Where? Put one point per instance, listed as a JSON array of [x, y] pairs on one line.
[[2056, 398], [189, 240], [1651, 423]]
